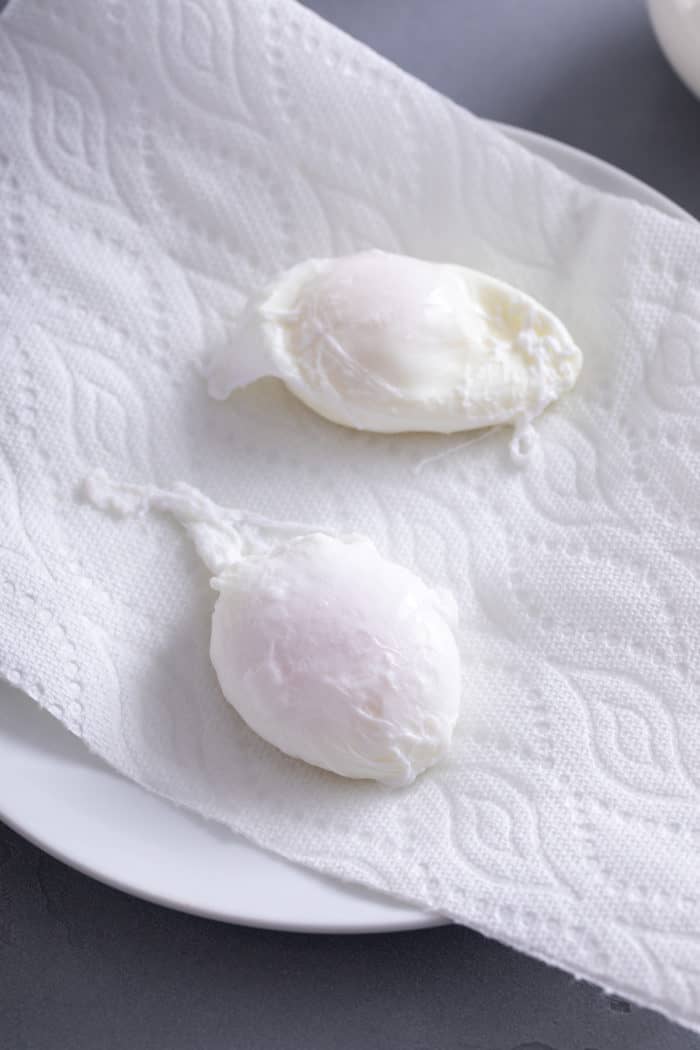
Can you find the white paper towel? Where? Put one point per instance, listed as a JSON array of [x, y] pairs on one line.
[[157, 163]]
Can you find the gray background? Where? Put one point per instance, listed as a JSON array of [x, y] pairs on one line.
[[88, 968]]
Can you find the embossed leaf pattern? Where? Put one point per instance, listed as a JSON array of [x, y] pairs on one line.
[[160, 161], [495, 830], [197, 46], [67, 124], [107, 412], [634, 735]]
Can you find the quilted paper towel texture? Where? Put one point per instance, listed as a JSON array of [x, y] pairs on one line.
[[158, 162]]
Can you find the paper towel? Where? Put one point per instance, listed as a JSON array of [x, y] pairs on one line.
[[157, 163]]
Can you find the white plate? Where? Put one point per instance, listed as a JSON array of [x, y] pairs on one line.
[[79, 810]]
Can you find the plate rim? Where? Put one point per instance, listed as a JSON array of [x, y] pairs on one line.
[[547, 148], [574, 162]]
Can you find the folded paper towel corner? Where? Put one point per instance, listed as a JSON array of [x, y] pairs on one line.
[[158, 163]]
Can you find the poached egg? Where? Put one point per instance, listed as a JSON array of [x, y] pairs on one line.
[[328, 650], [389, 343]]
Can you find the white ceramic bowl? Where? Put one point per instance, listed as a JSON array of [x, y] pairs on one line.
[[677, 27]]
